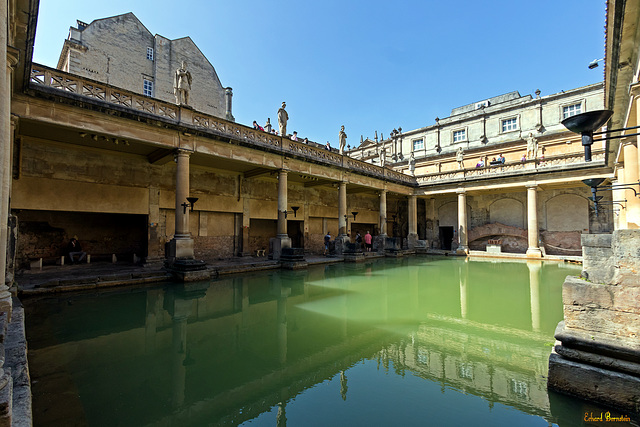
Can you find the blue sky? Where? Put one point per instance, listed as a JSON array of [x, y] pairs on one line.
[[369, 65]]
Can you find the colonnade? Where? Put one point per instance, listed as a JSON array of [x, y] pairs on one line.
[[533, 250], [182, 245], [184, 242]]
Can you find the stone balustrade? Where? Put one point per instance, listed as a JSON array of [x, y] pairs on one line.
[[79, 86], [514, 168]]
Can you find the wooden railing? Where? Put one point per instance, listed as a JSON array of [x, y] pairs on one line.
[[79, 86]]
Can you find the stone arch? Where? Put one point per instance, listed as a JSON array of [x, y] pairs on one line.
[[507, 211], [567, 212]]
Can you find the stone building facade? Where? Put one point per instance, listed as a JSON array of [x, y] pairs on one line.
[[482, 129], [121, 51]]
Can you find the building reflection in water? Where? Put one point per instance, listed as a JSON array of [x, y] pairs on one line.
[[244, 346]]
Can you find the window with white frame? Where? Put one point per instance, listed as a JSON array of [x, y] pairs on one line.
[[418, 144], [571, 110], [459, 135], [147, 87], [150, 53], [509, 124]]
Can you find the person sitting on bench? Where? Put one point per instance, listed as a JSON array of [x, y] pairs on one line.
[[75, 250]]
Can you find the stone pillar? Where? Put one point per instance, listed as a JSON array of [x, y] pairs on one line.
[[412, 238], [631, 176], [228, 94], [342, 209], [282, 239], [282, 203], [620, 221], [246, 223], [463, 241], [534, 293], [342, 239], [532, 224], [6, 141], [383, 213], [182, 244]]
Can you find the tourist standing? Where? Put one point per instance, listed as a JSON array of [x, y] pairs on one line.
[[327, 239], [367, 241]]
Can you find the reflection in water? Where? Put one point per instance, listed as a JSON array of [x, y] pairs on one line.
[[249, 347]]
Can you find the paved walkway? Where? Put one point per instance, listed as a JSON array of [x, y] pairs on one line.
[[63, 278]]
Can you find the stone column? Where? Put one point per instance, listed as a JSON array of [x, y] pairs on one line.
[[181, 246], [342, 239], [412, 238], [383, 213], [228, 94], [282, 239], [631, 176], [532, 224], [534, 293], [620, 221], [342, 209], [282, 203], [463, 241], [182, 192], [246, 223], [380, 240]]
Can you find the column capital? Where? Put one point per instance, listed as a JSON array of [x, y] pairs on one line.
[[181, 152], [13, 56], [531, 186], [634, 90], [382, 192], [461, 191]]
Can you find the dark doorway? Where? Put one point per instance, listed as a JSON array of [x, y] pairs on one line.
[[296, 233], [446, 236]]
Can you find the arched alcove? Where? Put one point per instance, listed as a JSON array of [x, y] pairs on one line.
[[507, 211]]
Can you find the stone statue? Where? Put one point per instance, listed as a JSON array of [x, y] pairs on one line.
[[267, 126], [532, 147], [383, 156], [460, 158], [412, 164], [342, 137], [182, 84], [282, 119]]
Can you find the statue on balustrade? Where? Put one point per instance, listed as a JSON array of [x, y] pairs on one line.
[[282, 119], [383, 156], [342, 137], [460, 158], [182, 84], [532, 147], [412, 164]]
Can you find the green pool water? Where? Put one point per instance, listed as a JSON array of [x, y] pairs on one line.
[[413, 341]]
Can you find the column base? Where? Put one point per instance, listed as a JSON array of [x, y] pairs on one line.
[[595, 368], [534, 253], [341, 243], [277, 244], [412, 241], [180, 248], [462, 250]]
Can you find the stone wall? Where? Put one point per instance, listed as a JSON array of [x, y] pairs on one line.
[[598, 349], [114, 51]]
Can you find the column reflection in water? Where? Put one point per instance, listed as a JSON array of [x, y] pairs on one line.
[[281, 293], [178, 303], [463, 274], [153, 311], [534, 289]]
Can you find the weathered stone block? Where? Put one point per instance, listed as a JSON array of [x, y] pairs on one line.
[[626, 252], [596, 240], [593, 383]]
